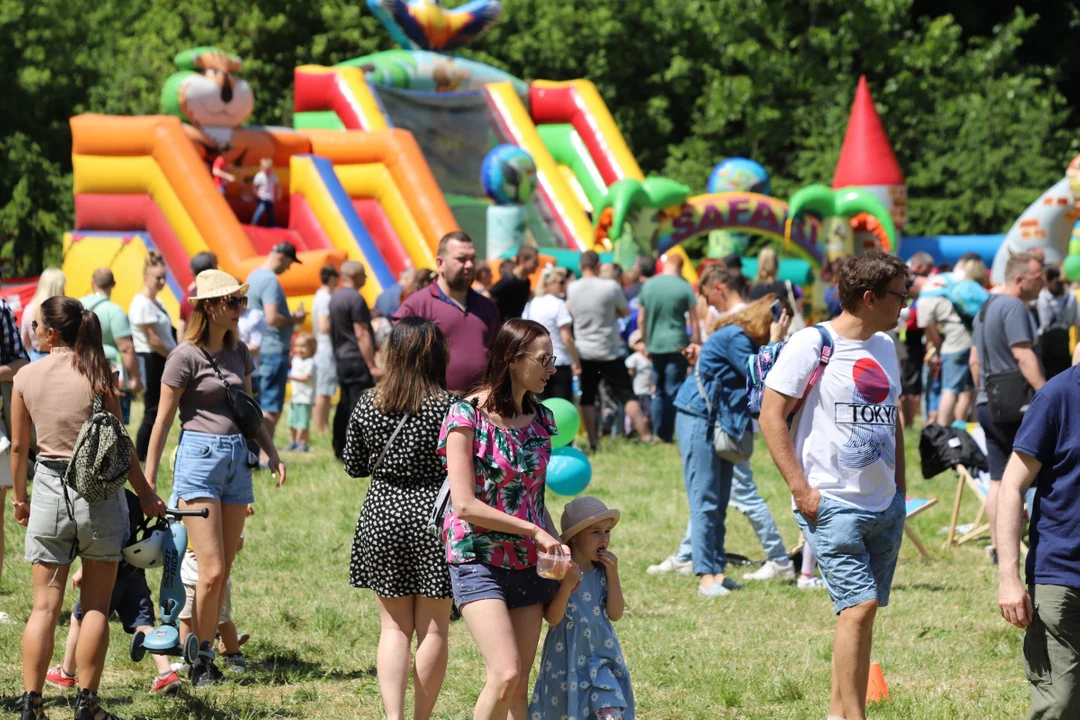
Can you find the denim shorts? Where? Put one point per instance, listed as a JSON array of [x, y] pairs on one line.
[[273, 376], [856, 549], [98, 531], [517, 588], [214, 467], [325, 373], [956, 373]]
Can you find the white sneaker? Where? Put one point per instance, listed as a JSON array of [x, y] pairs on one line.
[[810, 583], [181, 668], [671, 564], [773, 570]]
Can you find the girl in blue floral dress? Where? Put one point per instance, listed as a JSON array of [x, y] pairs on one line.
[[583, 675]]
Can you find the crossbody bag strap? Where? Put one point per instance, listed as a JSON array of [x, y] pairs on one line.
[[393, 435], [984, 360], [217, 370], [815, 377]]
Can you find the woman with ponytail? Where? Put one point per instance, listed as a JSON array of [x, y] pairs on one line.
[[56, 396]]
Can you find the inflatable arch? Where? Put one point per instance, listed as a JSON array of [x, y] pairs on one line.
[[746, 212]]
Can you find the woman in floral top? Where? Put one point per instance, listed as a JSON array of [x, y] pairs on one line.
[[496, 446]]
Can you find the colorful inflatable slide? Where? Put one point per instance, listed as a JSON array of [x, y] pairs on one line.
[[459, 109]]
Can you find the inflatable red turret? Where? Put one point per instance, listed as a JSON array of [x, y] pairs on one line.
[[867, 159]]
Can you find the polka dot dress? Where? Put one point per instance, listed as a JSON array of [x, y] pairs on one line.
[[392, 553]]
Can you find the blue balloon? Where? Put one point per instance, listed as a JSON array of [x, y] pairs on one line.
[[569, 471], [738, 174], [508, 175]]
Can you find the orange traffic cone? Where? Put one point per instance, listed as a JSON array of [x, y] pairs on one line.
[[876, 689]]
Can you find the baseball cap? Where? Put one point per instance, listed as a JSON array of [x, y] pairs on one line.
[[288, 250]]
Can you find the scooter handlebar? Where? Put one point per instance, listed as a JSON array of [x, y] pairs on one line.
[[173, 512]]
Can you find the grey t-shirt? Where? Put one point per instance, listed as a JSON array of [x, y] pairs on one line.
[[1005, 323], [204, 406], [955, 337], [265, 289], [595, 305]]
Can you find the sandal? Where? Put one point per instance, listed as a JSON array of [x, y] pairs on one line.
[[31, 707], [87, 707]]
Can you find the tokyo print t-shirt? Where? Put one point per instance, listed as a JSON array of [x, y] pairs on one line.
[[845, 435]]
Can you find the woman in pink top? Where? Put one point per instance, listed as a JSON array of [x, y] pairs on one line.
[[496, 446]]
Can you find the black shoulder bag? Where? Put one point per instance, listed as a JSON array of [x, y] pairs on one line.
[[1008, 392], [245, 411]]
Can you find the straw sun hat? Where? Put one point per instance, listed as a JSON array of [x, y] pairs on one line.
[[212, 284], [582, 512]]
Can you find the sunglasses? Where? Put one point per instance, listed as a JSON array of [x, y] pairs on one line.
[[545, 360], [235, 302]]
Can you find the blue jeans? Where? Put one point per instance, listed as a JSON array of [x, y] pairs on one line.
[[745, 499], [273, 377], [265, 207], [213, 466], [708, 488], [856, 549], [669, 371]]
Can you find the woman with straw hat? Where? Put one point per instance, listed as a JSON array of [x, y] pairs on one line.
[[212, 468]]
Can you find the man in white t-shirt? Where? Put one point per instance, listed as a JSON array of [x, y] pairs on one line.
[[845, 463]]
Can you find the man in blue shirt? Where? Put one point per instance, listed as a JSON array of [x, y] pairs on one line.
[[1045, 451], [265, 294]]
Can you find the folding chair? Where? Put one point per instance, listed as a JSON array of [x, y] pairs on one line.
[[981, 491], [915, 506]]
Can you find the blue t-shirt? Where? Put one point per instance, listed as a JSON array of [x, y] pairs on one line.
[[1050, 433], [389, 300], [265, 289]]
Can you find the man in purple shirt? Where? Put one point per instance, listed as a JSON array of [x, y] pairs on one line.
[[468, 319]]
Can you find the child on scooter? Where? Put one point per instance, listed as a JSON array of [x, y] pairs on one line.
[[131, 601]]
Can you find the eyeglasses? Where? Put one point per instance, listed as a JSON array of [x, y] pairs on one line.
[[234, 302], [545, 360], [904, 297]]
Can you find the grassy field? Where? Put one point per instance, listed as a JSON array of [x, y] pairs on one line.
[[760, 653]]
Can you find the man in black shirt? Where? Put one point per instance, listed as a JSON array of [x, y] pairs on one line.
[[513, 290], [354, 346]]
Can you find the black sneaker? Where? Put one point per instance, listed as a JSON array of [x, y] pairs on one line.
[[204, 673], [87, 707], [31, 708]]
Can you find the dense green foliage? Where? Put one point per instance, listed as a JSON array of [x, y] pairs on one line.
[[979, 121]]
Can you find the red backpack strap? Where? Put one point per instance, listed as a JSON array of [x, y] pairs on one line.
[[826, 355]]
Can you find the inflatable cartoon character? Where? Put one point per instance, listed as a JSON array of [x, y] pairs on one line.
[[427, 25], [207, 95]]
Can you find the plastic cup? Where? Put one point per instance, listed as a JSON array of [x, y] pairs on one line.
[[552, 567]]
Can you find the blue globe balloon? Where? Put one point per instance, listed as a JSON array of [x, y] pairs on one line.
[[569, 471], [508, 175], [738, 174]]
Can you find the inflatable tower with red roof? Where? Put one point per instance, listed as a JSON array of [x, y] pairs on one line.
[[867, 161]]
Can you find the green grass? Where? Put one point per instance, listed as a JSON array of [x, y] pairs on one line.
[[760, 653]]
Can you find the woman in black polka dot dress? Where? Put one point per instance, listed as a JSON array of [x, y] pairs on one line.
[[393, 554]]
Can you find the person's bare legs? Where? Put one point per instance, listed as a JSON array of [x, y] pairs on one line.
[[95, 597], [184, 626], [836, 703], [909, 409], [491, 627], [392, 658], [588, 414], [38, 636], [431, 619], [637, 418], [963, 405], [527, 623], [68, 664], [232, 527], [991, 510], [205, 536], [946, 408], [230, 641], [851, 657], [320, 414], [3, 511]]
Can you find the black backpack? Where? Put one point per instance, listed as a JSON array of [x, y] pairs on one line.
[[941, 448]]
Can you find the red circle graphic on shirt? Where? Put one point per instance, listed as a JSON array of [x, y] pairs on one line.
[[871, 380]]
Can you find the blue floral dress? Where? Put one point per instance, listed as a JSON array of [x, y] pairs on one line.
[[582, 670]]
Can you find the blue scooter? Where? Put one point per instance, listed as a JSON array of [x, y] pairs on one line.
[[163, 545]]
